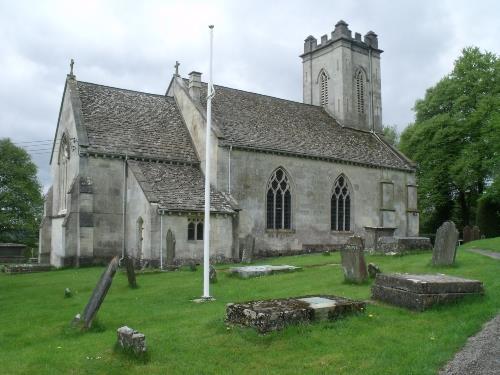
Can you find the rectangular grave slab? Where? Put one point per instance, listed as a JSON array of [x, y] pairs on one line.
[[256, 271], [275, 314], [419, 292], [14, 269]]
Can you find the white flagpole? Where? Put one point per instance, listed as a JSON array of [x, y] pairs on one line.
[[206, 226]]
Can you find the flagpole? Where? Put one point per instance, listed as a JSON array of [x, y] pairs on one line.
[[206, 226]]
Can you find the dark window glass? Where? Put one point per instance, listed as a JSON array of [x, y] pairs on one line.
[[288, 210], [199, 231], [191, 231], [279, 202], [341, 206]]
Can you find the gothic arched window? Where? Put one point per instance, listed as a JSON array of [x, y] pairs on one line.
[[279, 201], [323, 88], [195, 229], [341, 205], [359, 79], [64, 154]]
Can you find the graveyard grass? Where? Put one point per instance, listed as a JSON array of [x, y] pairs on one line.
[[189, 338]]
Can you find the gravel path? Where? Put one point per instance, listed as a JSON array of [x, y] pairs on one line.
[[480, 355], [487, 253]]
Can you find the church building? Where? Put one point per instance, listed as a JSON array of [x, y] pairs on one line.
[[286, 177]]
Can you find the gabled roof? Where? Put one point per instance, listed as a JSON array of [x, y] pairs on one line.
[[178, 187], [263, 122], [119, 121]]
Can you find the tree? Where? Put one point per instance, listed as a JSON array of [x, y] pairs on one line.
[[391, 134], [21, 200], [455, 139]]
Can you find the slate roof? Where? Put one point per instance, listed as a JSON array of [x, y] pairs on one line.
[[264, 122], [178, 187], [119, 121]]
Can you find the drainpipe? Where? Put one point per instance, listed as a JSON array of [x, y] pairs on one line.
[[124, 221], [161, 240], [229, 171]]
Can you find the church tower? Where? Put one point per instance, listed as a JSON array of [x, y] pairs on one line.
[[342, 74]]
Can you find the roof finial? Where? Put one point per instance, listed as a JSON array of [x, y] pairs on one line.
[[176, 66], [72, 62]]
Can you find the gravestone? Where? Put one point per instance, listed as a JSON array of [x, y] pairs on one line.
[[275, 314], [256, 271], [419, 292], [248, 248], [170, 248], [445, 246], [373, 270], [129, 266], [467, 234], [212, 276], [67, 293], [476, 233], [130, 339], [98, 295], [353, 260]]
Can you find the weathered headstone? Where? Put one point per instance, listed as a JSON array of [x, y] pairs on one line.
[[212, 275], [256, 271], [419, 292], [129, 266], [445, 246], [467, 234], [248, 248], [373, 270], [67, 293], [476, 233], [130, 339], [353, 260], [100, 291], [275, 314]]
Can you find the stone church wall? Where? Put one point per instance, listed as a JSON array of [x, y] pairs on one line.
[[312, 182]]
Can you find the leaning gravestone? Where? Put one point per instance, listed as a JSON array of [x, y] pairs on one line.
[[129, 266], [212, 276], [248, 248], [476, 233], [353, 260], [467, 234], [445, 246], [98, 295]]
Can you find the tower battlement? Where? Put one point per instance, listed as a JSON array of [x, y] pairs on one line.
[[341, 31]]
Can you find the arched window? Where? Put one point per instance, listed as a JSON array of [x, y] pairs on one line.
[[341, 205], [279, 201], [360, 90], [195, 229], [64, 155], [323, 88]]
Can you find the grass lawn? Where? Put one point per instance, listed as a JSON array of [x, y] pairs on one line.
[[492, 244], [188, 338]]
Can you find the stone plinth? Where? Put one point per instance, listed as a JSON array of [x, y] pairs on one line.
[[130, 339], [445, 246], [256, 271], [419, 292], [403, 245], [275, 314], [353, 260], [374, 233], [26, 268], [12, 253]]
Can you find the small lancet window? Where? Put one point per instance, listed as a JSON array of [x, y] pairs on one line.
[[323, 88], [195, 229], [64, 155], [279, 201], [360, 90], [341, 205]]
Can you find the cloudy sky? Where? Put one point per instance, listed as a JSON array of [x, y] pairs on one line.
[[134, 45]]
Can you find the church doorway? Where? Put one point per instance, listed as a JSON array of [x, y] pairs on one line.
[[140, 238], [170, 247]]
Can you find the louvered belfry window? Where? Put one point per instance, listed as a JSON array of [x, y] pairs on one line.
[[279, 201], [323, 88], [341, 205], [360, 91]]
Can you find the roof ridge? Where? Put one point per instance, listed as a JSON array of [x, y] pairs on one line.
[[122, 89]]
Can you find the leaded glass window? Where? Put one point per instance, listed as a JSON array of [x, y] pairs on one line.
[[195, 229], [279, 201], [341, 205], [64, 155]]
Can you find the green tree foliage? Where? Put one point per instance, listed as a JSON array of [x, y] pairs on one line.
[[21, 200], [488, 211], [391, 134], [455, 139]]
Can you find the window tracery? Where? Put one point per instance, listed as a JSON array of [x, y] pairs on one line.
[[341, 205], [279, 201]]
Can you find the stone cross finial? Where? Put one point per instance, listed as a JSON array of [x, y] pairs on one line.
[[71, 67], [176, 66]]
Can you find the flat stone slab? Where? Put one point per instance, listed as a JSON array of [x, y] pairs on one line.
[[275, 314], [26, 268], [419, 292], [256, 271], [403, 245]]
